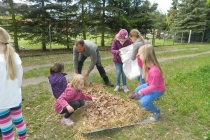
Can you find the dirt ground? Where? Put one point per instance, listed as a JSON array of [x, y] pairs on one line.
[[36, 80]]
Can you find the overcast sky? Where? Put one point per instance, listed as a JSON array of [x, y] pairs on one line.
[[163, 5]]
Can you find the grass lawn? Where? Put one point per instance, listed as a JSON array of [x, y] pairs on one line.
[[185, 105]]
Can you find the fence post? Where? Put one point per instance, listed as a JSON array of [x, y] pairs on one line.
[[50, 39], [153, 38], [189, 36], [174, 38], [182, 37]]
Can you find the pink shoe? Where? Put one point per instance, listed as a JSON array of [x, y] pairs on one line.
[[67, 121], [125, 89], [133, 96]]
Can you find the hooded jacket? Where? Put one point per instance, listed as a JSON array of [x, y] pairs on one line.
[[116, 46], [58, 83], [70, 95]]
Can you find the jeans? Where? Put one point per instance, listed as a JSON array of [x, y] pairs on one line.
[[75, 105], [147, 100], [119, 72], [100, 68], [141, 80]]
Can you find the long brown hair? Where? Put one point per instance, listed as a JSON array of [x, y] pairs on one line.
[[136, 33], [148, 53], [9, 54]]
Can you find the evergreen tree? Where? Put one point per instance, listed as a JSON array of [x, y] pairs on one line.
[[172, 13], [191, 16]]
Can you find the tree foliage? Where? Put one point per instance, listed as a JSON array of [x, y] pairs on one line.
[[68, 19]]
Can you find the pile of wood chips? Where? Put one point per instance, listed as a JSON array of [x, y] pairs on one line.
[[107, 112]]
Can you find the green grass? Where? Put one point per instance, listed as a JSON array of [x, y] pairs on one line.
[[26, 44], [185, 104]]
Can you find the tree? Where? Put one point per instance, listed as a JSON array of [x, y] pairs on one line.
[[14, 24], [172, 13], [191, 16]]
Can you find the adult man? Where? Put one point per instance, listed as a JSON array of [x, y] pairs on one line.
[[84, 49]]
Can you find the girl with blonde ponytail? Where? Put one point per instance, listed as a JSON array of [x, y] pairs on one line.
[[154, 86], [11, 73], [138, 41]]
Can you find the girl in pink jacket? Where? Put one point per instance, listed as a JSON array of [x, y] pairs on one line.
[[71, 99], [154, 86]]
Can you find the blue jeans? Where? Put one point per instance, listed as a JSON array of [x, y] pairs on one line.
[[119, 72], [141, 80], [147, 100]]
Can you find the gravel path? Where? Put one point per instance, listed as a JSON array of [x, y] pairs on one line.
[[36, 80]]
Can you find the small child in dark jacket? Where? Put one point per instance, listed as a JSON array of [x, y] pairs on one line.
[[57, 79]]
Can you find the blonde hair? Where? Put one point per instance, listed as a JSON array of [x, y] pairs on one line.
[[136, 33], [76, 80], [8, 54], [148, 53]]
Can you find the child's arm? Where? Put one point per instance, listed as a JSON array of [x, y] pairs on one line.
[[94, 99], [87, 97], [154, 82], [65, 97]]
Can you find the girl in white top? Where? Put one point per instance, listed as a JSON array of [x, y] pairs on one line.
[[11, 73]]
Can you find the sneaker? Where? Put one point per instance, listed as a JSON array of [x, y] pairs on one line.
[[125, 89], [67, 121], [133, 96], [117, 88], [109, 84], [155, 116]]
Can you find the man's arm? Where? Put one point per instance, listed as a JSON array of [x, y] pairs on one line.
[[75, 59], [94, 58]]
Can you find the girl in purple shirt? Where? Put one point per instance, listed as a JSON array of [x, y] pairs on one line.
[[57, 79], [154, 86], [121, 40]]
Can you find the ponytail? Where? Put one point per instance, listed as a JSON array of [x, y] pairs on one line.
[[10, 62], [9, 54], [57, 68]]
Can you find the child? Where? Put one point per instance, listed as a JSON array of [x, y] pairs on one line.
[[11, 73], [57, 79], [155, 86], [138, 41], [121, 40], [71, 99]]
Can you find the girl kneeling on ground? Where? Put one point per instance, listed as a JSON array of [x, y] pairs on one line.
[[71, 99]]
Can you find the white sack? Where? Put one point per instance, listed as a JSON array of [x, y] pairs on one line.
[[130, 67]]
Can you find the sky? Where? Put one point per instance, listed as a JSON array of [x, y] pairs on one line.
[[163, 5]]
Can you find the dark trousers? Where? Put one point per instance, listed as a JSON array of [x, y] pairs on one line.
[[75, 105], [100, 68]]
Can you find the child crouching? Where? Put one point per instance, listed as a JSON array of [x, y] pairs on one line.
[[154, 87], [71, 99]]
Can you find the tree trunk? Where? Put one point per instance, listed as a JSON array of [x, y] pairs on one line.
[[14, 25], [103, 27], [67, 28], [43, 28], [83, 21]]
